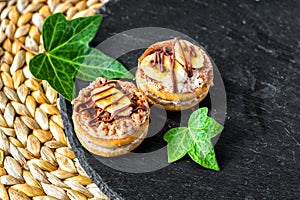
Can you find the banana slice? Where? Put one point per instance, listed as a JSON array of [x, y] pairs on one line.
[[100, 90], [197, 62], [165, 77], [113, 98]]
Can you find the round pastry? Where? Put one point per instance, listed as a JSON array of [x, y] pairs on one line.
[[111, 117], [175, 74]]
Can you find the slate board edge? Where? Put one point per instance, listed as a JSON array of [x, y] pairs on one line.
[[82, 153]]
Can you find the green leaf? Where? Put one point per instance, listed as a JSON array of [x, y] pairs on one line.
[[202, 152], [204, 124], [90, 66], [69, 56], [170, 134], [180, 143], [41, 66], [195, 140], [60, 34], [214, 128], [198, 118]]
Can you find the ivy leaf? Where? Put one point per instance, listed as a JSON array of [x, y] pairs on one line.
[[58, 33], [199, 119], [202, 152], [169, 135], [200, 122], [195, 140], [180, 143], [68, 55], [90, 67]]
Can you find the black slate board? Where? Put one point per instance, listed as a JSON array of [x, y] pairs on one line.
[[256, 46]]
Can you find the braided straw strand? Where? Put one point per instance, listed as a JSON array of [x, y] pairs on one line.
[[36, 161]]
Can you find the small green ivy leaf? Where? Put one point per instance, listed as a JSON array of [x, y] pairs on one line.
[[198, 118], [195, 140], [180, 143], [202, 152]]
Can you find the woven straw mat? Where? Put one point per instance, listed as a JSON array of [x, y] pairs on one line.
[[36, 161]]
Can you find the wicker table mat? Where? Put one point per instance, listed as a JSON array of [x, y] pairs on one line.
[[35, 159]]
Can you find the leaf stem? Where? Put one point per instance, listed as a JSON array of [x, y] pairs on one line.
[[26, 48]]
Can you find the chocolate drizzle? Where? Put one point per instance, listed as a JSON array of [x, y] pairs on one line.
[[159, 59], [117, 112], [161, 52], [106, 82], [85, 105], [191, 52], [142, 106], [106, 96], [172, 61], [97, 114]]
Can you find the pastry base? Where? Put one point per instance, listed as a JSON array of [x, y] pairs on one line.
[[96, 146], [170, 101]]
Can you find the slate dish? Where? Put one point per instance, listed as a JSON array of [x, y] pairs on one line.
[[117, 177], [110, 174], [256, 50]]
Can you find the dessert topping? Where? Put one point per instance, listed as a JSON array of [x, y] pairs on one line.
[[109, 100], [181, 54], [112, 100], [105, 102], [186, 55]]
